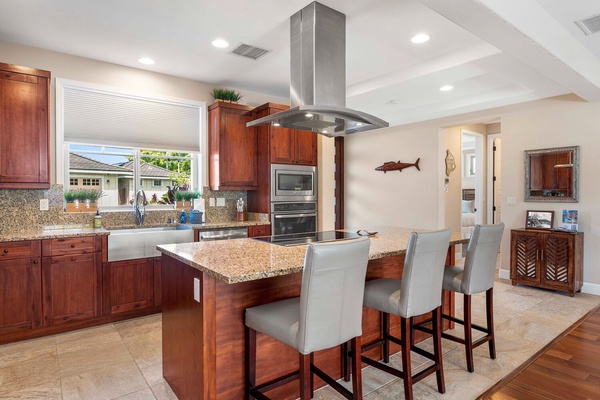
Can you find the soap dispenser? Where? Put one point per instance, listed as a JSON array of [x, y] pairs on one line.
[[183, 217], [98, 220]]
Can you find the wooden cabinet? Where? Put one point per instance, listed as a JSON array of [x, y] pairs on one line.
[[20, 286], [259, 230], [232, 148], [288, 146], [547, 259], [71, 279], [131, 285], [24, 127]]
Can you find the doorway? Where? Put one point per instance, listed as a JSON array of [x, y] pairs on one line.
[[472, 182], [494, 151]]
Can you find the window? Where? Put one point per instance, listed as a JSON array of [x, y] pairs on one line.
[[91, 182], [116, 168], [120, 141]]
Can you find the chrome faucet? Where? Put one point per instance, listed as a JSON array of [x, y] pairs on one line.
[[140, 209]]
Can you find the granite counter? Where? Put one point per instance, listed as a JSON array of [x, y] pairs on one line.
[[242, 260]]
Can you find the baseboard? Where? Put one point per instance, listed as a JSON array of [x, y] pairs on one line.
[[504, 274], [590, 288]]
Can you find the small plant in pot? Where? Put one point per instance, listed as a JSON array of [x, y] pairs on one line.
[[227, 95], [82, 200], [185, 198]]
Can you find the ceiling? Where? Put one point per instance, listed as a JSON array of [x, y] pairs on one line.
[[493, 52]]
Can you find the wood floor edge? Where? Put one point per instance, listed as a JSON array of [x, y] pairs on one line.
[[502, 382]]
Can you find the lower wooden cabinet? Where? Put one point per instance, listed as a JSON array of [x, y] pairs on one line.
[[20, 295], [259, 230], [131, 285], [71, 287], [547, 259]]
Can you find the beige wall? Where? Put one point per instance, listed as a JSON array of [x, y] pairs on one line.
[[326, 187], [408, 198], [86, 70], [557, 122]]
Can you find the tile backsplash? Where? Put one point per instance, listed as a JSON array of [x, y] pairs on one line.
[[20, 210]]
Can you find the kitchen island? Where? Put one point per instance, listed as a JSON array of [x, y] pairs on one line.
[[203, 339]]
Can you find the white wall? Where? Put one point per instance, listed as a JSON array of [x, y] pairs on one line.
[[408, 198], [557, 122], [87, 70]]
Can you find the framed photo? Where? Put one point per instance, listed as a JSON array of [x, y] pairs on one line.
[[539, 219]]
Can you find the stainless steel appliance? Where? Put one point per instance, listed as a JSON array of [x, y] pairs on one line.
[[314, 237], [293, 183], [318, 77], [293, 218], [223, 234]]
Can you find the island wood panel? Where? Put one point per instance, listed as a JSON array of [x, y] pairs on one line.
[[203, 343]]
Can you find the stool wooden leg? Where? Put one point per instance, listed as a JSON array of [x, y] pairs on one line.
[[305, 377], [437, 348], [385, 321], [489, 305], [356, 371], [406, 368], [346, 360], [250, 360], [468, 332]]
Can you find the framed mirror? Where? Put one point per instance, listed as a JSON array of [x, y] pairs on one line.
[[552, 175]]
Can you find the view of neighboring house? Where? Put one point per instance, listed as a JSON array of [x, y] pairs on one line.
[[116, 181]]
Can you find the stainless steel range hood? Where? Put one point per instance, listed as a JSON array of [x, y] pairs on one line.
[[318, 77]]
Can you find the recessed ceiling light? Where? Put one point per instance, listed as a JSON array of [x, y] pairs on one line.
[[308, 115], [220, 43], [146, 61], [420, 38], [446, 88]]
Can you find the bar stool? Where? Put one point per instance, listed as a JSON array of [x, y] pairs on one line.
[[418, 292], [477, 276], [327, 313]]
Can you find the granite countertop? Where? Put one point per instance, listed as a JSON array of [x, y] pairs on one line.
[[52, 233], [242, 260]]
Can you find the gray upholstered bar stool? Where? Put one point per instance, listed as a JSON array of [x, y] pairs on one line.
[[328, 313], [477, 276], [418, 292]]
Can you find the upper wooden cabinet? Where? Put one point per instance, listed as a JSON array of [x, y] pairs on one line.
[[288, 146], [232, 147], [24, 127]]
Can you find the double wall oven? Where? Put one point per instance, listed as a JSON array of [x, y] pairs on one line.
[[293, 199]]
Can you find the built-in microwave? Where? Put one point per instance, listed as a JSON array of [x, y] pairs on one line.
[[293, 183]]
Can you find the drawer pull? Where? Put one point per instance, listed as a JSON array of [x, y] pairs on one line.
[[5, 251], [73, 245], [35, 261], [72, 258]]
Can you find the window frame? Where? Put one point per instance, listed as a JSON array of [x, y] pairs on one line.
[[199, 159]]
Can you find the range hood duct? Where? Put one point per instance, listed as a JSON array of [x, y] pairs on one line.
[[318, 77]]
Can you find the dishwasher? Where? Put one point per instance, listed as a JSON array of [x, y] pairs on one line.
[[223, 234]]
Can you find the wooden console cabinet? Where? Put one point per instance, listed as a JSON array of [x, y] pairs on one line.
[[547, 259]]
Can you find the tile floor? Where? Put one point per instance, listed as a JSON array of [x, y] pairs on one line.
[[123, 360]]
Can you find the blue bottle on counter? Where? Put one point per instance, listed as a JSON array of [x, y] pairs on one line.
[[182, 217]]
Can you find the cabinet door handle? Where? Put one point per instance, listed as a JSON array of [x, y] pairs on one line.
[[73, 245], [35, 261], [5, 251], [541, 254], [72, 258]]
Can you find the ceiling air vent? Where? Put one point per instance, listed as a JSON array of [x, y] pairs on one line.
[[589, 25], [245, 50]]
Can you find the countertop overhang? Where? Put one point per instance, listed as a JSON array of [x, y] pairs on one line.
[[242, 260]]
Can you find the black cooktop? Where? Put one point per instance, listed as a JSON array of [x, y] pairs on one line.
[[296, 239]]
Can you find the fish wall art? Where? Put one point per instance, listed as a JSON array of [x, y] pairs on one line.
[[396, 166]]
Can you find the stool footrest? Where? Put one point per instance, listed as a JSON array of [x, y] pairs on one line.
[[275, 383], [331, 382]]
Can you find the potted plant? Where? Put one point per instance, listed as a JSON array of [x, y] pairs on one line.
[[227, 95], [185, 198], [82, 200]]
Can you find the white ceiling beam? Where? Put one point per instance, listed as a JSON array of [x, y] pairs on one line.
[[527, 32]]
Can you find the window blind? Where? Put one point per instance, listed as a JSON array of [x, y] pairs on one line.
[[114, 119]]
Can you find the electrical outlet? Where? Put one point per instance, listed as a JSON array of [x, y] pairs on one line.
[[511, 201], [220, 201], [211, 202], [197, 290], [44, 205]]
